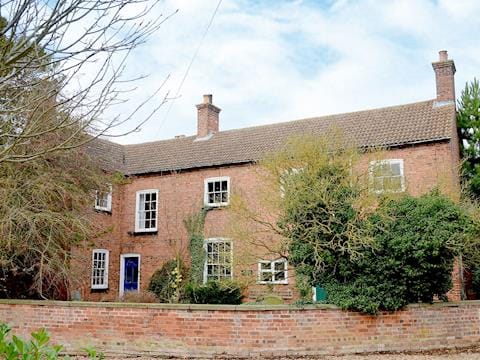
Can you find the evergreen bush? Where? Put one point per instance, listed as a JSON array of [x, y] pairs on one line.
[[412, 259], [416, 241], [167, 283], [214, 292]]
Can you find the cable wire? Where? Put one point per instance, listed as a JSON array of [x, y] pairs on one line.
[[189, 66]]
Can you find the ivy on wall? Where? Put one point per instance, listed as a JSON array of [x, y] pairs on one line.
[[195, 224]]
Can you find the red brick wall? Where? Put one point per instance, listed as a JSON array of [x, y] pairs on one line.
[[183, 330], [181, 194]]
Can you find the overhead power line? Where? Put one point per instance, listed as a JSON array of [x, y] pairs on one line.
[[187, 71]]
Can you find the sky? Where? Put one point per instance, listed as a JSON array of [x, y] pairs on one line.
[[279, 60]]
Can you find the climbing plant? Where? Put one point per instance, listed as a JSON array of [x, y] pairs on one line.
[[194, 224]]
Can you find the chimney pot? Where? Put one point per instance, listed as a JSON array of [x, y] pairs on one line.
[[443, 55], [207, 99]]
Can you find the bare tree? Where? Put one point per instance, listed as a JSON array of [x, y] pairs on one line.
[[62, 65]]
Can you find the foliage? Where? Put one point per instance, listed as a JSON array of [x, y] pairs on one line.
[[93, 354], [214, 292], [308, 200], [468, 121], [195, 225], [324, 206], [412, 261], [369, 252], [168, 282], [141, 297], [476, 280], [37, 348], [44, 198], [270, 299], [43, 214]]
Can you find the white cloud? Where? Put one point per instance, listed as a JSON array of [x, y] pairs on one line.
[[274, 61]]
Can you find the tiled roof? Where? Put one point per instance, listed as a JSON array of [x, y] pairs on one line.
[[109, 155], [390, 126]]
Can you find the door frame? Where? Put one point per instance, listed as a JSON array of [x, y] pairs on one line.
[[122, 272]]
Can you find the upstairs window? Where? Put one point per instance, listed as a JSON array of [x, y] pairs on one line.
[[217, 191], [146, 214], [272, 272], [103, 199], [99, 269], [218, 262], [387, 176], [286, 177]]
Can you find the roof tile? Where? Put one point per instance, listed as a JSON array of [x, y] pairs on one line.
[[389, 126]]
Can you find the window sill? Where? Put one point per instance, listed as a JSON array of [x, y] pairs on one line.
[[142, 233], [104, 211], [387, 192], [272, 282], [216, 206], [98, 290]]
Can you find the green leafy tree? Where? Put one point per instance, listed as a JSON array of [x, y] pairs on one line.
[[371, 252], [468, 120], [412, 258], [310, 203]]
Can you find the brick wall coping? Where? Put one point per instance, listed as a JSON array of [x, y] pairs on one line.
[[209, 307]]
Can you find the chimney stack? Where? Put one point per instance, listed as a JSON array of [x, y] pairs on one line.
[[207, 117], [444, 76]]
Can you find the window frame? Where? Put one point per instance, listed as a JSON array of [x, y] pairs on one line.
[[206, 193], [103, 286], [139, 229], [371, 167], [108, 208], [288, 172], [272, 271], [205, 265]]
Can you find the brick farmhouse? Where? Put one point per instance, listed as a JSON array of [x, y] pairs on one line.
[[169, 179]]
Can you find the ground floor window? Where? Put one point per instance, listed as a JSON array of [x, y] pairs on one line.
[[99, 269], [218, 262], [273, 272]]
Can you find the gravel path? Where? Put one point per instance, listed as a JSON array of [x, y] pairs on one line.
[[472, 353]]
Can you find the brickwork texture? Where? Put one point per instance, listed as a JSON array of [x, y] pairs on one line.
[[246, 330]]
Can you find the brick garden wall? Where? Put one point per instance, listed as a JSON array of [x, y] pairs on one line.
[[206, 330]]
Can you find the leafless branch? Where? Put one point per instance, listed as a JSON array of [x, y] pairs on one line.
[[63, 64]]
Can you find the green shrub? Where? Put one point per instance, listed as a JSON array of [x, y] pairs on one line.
[[214, 292], [414, 258], [416, 241], [270, 299], [476, 281], [38, 348], [167, 282]]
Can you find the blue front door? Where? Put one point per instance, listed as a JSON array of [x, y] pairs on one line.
[[130, 282]]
